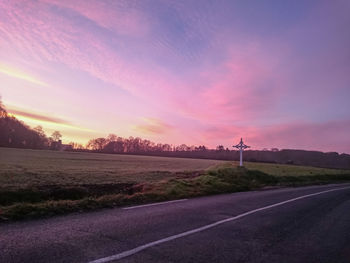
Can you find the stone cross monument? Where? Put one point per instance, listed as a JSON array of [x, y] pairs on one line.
[[241, 146]]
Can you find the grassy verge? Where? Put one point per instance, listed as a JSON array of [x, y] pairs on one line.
[[54, 200]]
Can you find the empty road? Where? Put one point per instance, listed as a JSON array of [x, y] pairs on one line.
[[306, 224]]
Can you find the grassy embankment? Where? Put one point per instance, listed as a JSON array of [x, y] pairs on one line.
[[45, 183]]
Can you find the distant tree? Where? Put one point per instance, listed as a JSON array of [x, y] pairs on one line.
[[220, 148], [79, 146], [39, 130], [43, 140], [50, 140], [97, 144], [182, 148], [76, 146], [201, 148], [3, 112], [166, 148], [119, 146], [112, 137], [56, 136], [14, 133]]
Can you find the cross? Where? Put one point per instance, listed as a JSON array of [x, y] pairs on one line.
[[241, 146]]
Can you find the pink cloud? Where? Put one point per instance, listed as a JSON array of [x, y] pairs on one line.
[[39, 34], [238, 89], [154, 126]]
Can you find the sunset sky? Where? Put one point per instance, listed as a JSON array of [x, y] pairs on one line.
[[276, 73]]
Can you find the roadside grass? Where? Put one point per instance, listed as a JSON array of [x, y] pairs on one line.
[[284, 169], [219, 179]]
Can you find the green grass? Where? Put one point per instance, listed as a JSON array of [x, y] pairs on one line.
[[45, 183], [285, 170]]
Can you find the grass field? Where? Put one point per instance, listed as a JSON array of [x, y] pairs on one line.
[[22, 168], [36, 183]]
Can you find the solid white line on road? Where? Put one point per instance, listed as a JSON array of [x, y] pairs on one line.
[[196, 230], [159, 203]]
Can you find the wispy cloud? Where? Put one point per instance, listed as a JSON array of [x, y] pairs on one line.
[[44, 119], [122, 17], [37, 116], [153, 126], [18, 74]]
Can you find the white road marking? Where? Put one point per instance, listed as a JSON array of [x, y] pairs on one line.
[[196, 230], [159, 203]]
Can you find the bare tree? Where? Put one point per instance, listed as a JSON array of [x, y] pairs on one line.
[[112, 137], [220, 148], [76, 146], [56, 136], [97, 144], [3, 112], [39, 130]]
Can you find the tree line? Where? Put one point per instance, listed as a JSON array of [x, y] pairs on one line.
[[15, 133], [115, 144]]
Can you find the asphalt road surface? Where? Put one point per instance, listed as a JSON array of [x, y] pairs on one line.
[[306, 224]]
